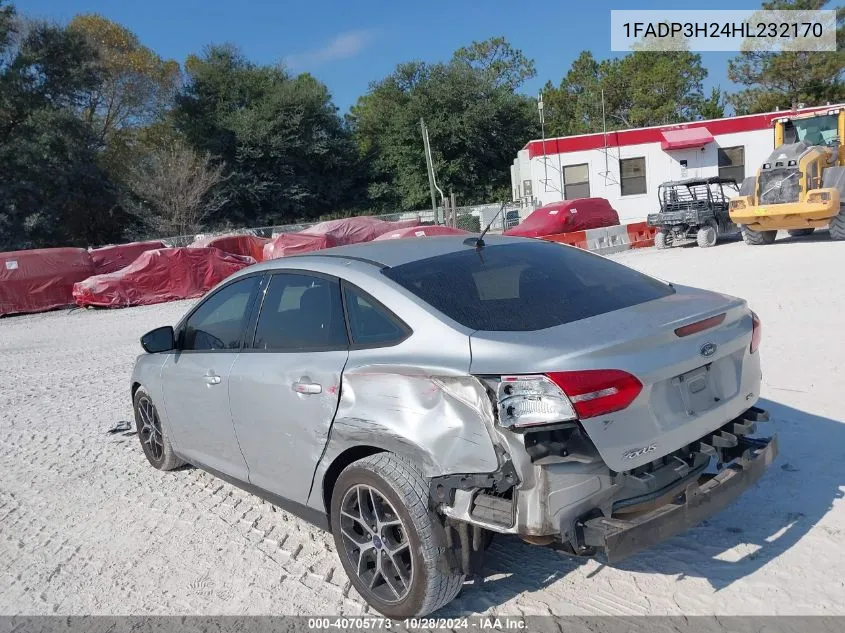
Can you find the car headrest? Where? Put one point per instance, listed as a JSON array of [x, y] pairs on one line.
[[316, 300]]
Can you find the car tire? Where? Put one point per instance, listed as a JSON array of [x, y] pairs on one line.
[[837, 225], [706, 235], [662, 240], [154, 438], [387, 538], [800, 232], [758, 238]]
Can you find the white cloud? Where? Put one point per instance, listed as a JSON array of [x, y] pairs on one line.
[[343, 46]]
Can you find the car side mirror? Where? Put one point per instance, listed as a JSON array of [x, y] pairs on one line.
[[161, 339]]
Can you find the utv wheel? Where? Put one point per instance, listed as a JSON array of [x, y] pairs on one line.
[[706, 235], [662, 240], [837, 225], [758, 238], [386, 538], [154, 439], [800, 232]]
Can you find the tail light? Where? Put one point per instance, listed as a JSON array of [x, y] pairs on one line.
[[562, 396], [598, 391], [756, 332]]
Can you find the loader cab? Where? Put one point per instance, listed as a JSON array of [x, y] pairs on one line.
[[819, 129]]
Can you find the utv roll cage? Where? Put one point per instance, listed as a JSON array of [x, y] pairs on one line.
[[694, 193], [693, 209]]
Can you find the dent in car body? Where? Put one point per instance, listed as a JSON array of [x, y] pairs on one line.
[[438, 418]]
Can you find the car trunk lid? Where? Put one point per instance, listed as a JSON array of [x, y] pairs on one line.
[[692, 384]]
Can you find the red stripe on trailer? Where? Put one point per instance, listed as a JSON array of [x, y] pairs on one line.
[[621, 138]]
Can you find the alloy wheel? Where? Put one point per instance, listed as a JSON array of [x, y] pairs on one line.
[[376, 543], [150, 430]]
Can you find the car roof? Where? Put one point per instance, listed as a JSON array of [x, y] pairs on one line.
[[395, 252]]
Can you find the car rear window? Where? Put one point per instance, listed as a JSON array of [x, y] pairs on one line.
[[525, 286]]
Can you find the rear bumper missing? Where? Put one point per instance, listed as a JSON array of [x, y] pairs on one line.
[[619, 538]]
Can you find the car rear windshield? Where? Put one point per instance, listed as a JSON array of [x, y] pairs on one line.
[[524, 286]]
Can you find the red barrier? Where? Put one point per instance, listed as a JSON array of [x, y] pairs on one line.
[[167, 274], [576, 238], [41, 279], [111, 258], [641, 234]]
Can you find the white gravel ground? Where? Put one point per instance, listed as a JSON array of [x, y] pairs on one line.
[[87, 527]]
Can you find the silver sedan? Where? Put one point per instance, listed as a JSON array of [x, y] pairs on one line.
[[417, 397]]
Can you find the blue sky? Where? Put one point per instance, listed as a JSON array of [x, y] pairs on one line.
[[347, 45]]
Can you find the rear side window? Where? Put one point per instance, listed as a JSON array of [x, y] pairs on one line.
[[525, 286], [369, 322], [218, 323], [301, 312]]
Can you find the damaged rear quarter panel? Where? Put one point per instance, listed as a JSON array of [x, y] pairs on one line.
[[435, 419], [439, 419]]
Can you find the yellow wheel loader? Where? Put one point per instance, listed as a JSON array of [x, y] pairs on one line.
[[801, 186]]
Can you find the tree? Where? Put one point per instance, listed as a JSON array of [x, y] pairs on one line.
[[774, 80], [642, 88], [175, 188], [136, 86], [476, 126], [52, 190], [288, 154], [713, 107], [496, 58]]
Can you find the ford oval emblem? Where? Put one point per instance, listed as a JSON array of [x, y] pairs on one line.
[[708, 349]]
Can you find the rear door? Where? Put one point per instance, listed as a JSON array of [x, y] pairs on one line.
[[195, 379], [285, 386]]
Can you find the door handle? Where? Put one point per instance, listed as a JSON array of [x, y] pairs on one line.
[[307, 388], [211, 378]]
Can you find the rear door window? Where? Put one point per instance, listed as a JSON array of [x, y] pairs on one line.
[[370, 323], [525, 286], [301, 312]]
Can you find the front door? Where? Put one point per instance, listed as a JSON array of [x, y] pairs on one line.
[[195, 378], [285, 385]]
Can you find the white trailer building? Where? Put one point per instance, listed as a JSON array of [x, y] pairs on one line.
[[626, 166]]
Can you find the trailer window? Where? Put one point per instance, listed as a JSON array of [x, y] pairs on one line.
[[576, 181], [732, 163], [632, 180]]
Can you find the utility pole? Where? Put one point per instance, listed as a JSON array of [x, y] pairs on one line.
[[432, 185], [543, 134]]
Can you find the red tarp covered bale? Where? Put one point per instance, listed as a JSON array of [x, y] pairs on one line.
[[167, 274], [580, 214], [421, 231], [111, 258], [248, 245], [41, 279], [294, 243], [357, 229]]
